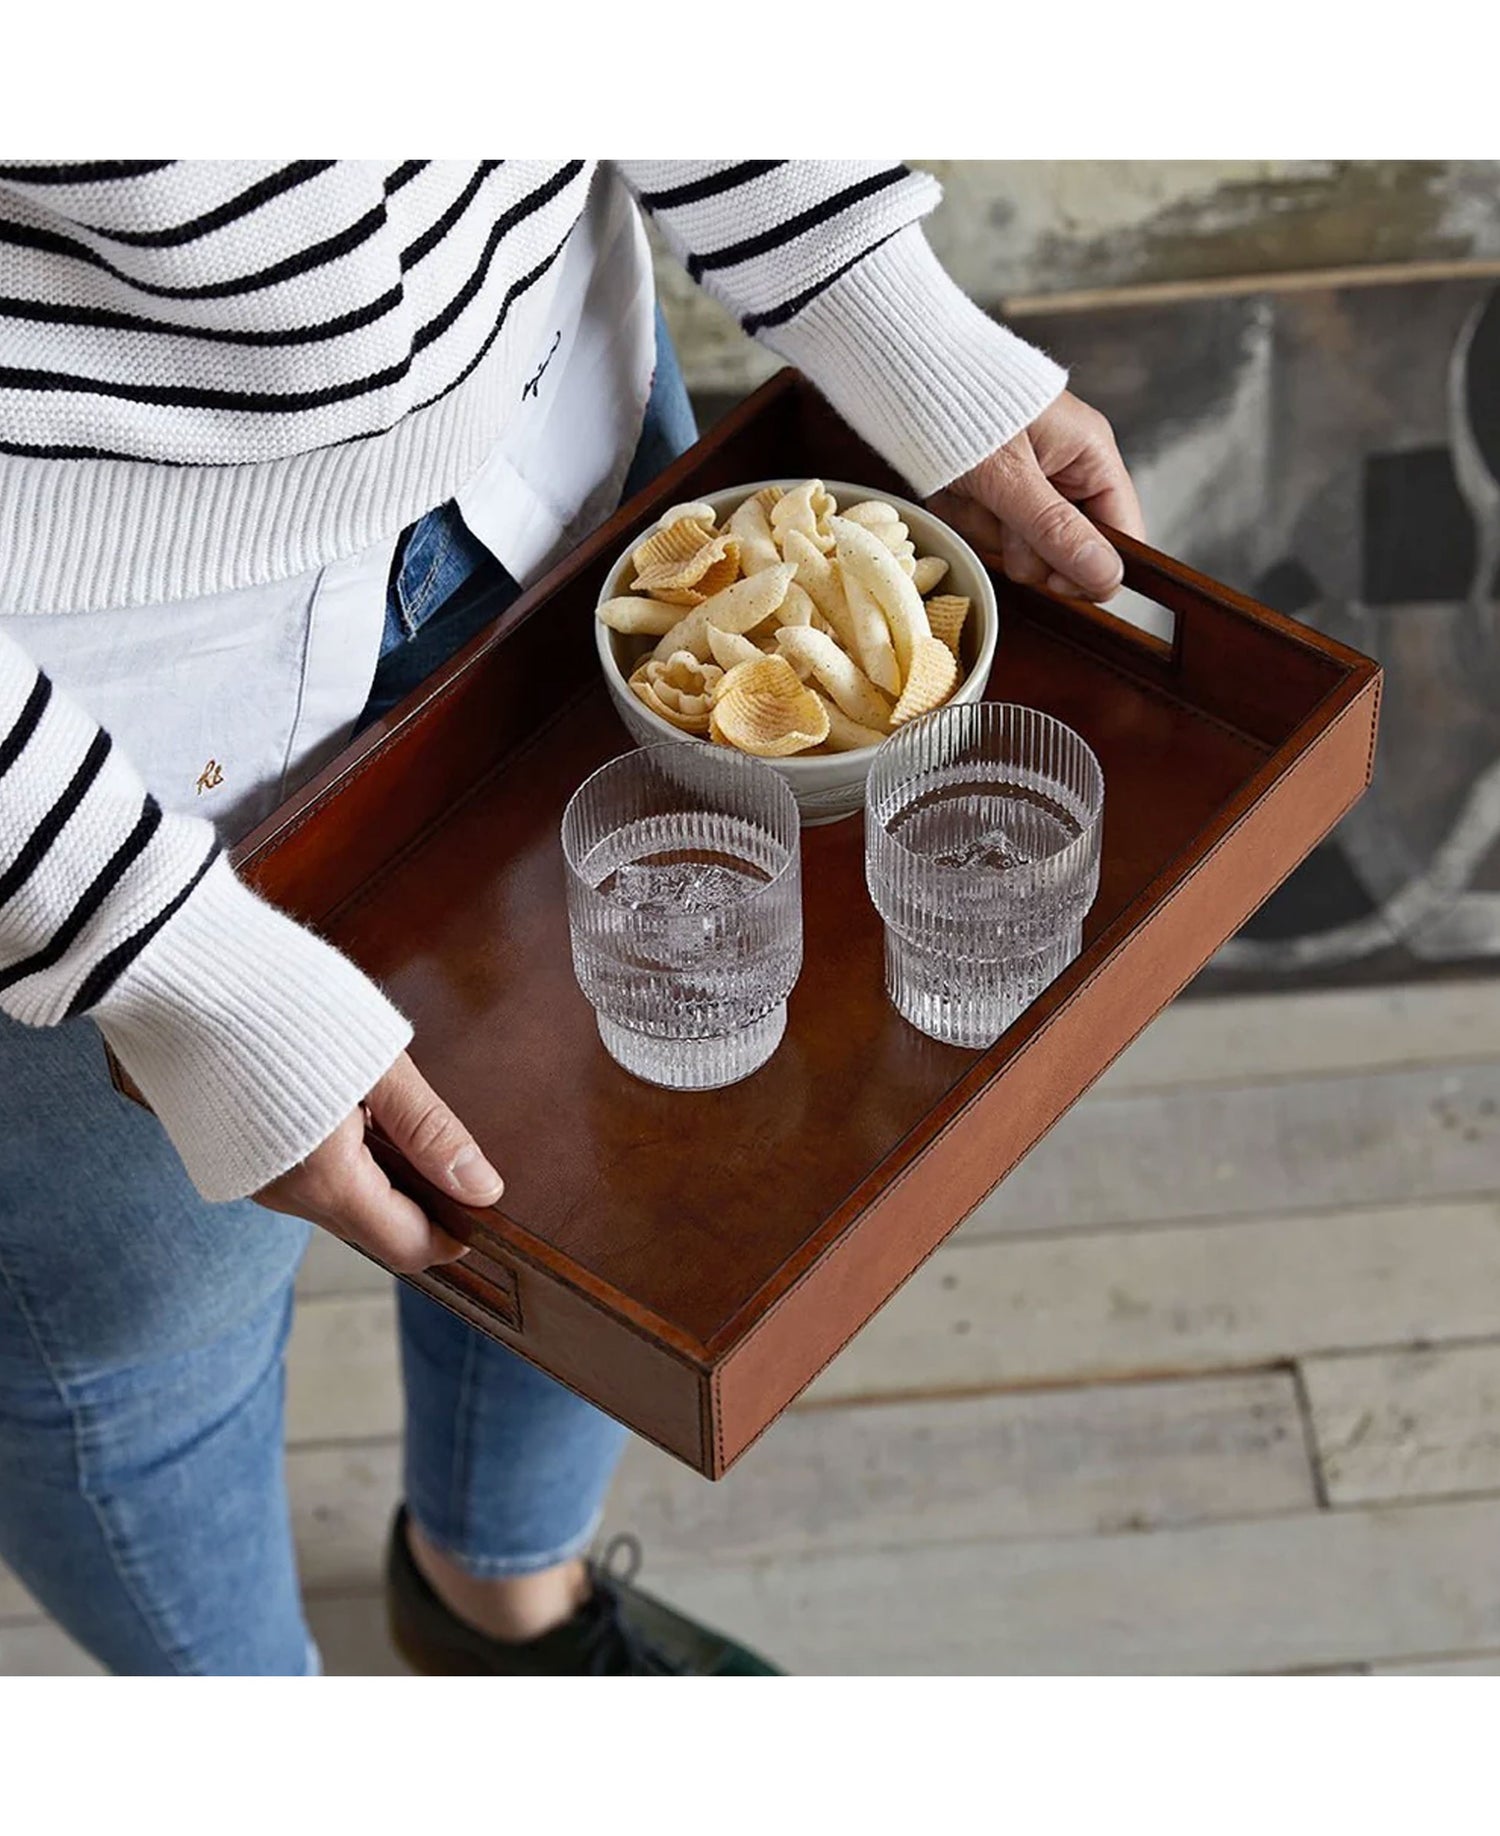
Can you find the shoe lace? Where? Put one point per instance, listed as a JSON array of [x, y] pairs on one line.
[[615, 1646]]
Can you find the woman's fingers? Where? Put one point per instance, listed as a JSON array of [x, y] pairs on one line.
[[341, 1187], [1022, 563], [1036, 489], [969, 517], [1076, 449], [1013, 485], [981, 526], [415, 1119], [1117, 504], [367, 1210]]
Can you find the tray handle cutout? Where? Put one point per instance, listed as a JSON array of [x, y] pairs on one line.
[[1147, 614], [481, 1278]]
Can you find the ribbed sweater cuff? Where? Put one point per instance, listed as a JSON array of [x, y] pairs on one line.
[[914, 366], [250, 1037]]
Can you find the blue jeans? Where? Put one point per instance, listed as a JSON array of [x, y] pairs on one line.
[[142, 1331]]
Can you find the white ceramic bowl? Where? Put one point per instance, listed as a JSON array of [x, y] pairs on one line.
[[831, 785]]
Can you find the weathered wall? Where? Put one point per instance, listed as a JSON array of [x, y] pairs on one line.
[[1008, 228]]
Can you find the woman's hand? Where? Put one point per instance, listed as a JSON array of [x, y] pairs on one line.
[[341, 1187], [1019, 503]]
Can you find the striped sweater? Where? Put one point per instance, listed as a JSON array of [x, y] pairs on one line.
[[214, 373]]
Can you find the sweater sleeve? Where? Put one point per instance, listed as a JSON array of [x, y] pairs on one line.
[[825, 262], [249, 1036]]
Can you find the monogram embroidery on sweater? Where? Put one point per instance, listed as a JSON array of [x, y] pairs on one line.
[[211, 776]]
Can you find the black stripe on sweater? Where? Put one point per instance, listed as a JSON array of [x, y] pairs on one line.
[[179, 395], [698, 189], [99, 889], [779, 233], [504, 224], [404, 174], [108, 970], [778, 315], [319, 255], [105, 318], [430, 238], [82, 171], [35, 705], [18, 449], [274, 185], [175, 395], [52, 824], [513, 293]]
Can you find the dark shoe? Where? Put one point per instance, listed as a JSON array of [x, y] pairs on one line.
[[617, 1632]]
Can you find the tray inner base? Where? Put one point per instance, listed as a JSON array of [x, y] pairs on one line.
[[664, 1197]]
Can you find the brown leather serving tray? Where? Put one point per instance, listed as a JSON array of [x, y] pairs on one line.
[[690, 1262]]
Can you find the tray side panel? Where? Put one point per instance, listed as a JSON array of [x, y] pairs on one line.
[[811, 1323], [554, 1325], [1232, 660], [589, 1351]]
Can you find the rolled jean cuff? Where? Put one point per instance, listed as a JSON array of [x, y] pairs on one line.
[[486, 1567]]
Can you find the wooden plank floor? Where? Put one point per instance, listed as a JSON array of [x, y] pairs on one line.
[[1211, 1384]]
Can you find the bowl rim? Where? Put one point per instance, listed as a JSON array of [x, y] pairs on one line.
[[986, 601]]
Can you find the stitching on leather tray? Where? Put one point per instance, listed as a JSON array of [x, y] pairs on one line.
[[952, 1122], [708, 1414], [656, 1343], [1374, 728]]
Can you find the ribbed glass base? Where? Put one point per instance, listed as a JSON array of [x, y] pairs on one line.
[[694, 1064], [969, 1003]]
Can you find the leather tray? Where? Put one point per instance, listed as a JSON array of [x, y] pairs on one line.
[[690, 1262]]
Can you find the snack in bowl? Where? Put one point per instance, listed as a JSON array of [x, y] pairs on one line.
[[763, 708], [679, 688], [789, 590], [830, 582]]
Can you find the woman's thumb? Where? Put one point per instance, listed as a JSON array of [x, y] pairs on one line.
[[434, 1141]]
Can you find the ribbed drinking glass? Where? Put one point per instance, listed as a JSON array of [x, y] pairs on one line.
[[982, 832], [685, 910]]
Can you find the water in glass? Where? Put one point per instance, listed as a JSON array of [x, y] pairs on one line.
[[982, 856], [684, 901]]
